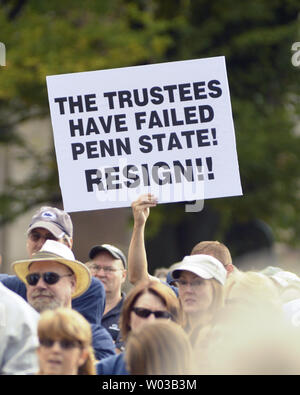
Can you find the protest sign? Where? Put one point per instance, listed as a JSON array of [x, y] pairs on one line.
[[164, 128]]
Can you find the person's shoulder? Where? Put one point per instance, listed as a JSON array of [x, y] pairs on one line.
[[16, 304], [8, 295], [102, 342], [100, 332], [96, 289], [114, 365], [13, 283], [91, 303]]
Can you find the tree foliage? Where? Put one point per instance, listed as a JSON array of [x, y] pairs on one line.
[[46, 38]]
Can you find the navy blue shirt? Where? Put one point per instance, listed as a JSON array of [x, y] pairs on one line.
[[114, 365], [111, 322]]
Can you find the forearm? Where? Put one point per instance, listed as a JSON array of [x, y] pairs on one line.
[[137, 257]]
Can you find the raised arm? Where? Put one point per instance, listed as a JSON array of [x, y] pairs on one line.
[[137, 257]]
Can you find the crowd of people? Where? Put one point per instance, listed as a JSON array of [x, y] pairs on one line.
[[201, 315]]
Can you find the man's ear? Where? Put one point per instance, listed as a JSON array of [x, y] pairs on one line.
[[229, 268], [73, 282], [68, 241], [124, 275]]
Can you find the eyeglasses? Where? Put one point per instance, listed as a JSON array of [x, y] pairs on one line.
[[194, 284], [65, 344], [145, 313], [106, 269], [49, 278], [36, 236]]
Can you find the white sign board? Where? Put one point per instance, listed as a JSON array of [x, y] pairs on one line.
[[164, 128]]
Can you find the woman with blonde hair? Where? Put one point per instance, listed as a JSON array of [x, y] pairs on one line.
[[250, 335], [251, 288], [65, 343], [160, 348], [248, 298], [200, 279]]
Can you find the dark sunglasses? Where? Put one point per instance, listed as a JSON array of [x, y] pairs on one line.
[[64, 343], [49, 278], [145, 313]]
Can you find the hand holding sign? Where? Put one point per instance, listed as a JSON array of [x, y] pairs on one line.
[[141, 208], [164, 129]]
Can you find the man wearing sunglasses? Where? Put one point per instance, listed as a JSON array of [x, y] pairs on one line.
[[53, 278], [50, 223]]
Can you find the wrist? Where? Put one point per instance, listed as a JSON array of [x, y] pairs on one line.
[[139, 225]]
